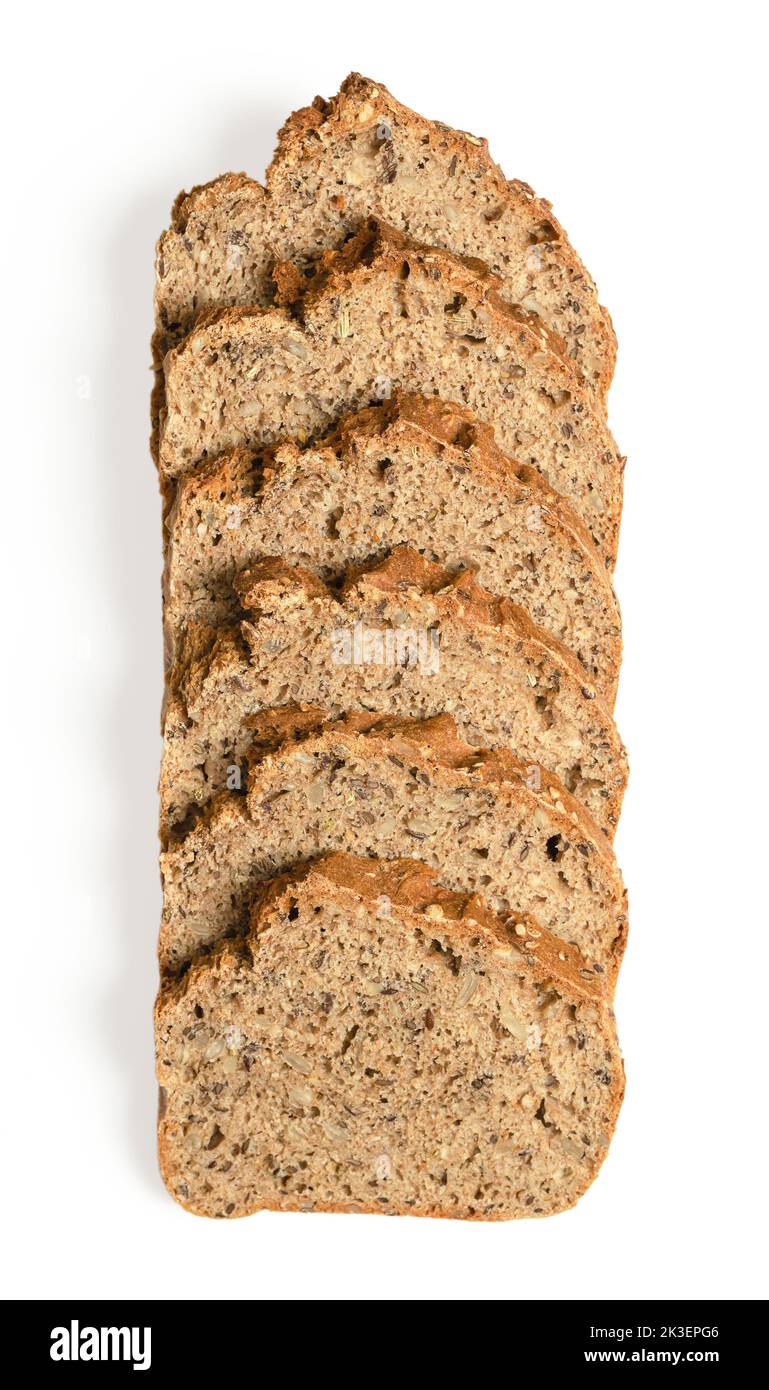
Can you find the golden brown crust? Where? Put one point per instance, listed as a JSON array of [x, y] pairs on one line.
[[204, 195], [273, 578], [229, 317]]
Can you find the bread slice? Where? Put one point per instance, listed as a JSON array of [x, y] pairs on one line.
[[384, 313], [364, 153], [414, 470], [377, 1043], [387, 788], [403, 636]]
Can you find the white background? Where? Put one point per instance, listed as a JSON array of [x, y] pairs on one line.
[[644, 124]]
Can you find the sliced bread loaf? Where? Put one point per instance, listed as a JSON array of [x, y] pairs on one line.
[[376, 1043], [388, 788], [414, 470], [403, 636], [383, 313], [364, 153]]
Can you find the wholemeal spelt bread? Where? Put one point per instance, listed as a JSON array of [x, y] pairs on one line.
[[363, 153], [388, 788], [383, 313], [377, 1043], [403, 636], [413, 470]]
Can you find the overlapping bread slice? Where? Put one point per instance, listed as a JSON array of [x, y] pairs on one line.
[[386, 788], [377, 1043], [414, 470], [403, 636], [383, 313], [364, 153]]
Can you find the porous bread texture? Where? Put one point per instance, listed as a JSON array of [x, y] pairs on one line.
[[387, 788], [413, 470], [383, 313], [364, 153], [376, 1043], [402, 636]]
